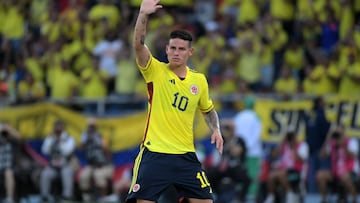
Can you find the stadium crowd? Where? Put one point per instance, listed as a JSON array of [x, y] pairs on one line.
[[81, 48], [66, 49]]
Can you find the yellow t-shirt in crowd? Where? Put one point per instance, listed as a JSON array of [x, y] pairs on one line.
[[248, 67], [63, 84], [2, 15], [110, 12], [324, 84], [127, 76], [304, 10], [322, 10], [13, 27], [37, 10], [347, 85], [278, 36], [201, 61], [37, 89], [248, 11], [308, 86], [346, 20], [95, 87], [51, 29], [294, 58], [282, 9], [286, 85]]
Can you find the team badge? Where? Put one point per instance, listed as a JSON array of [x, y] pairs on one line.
[[136, 188], [194, 89]]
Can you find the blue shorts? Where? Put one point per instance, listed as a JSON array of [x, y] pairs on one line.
[[154, 172]]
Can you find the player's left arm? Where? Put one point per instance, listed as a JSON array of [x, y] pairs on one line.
[[212, 120]]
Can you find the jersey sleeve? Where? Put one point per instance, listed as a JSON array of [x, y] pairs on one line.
[[205, 102], [148, 72]]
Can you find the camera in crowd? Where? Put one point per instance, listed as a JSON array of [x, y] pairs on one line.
[[336, 135], [4, 134]]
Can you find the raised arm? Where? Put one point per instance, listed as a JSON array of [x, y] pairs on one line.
[[141, 51]]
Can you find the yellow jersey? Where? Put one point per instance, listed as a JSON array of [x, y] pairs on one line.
[[172, 104]]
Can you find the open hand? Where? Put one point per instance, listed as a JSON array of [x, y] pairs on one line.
[[150, 6], [217, 139]]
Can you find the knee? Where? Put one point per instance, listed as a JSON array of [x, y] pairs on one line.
[[100, 178]]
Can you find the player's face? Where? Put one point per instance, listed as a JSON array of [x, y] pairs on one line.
[[178, 52]]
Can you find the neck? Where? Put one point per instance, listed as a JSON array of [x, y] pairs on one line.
[[180, 71]]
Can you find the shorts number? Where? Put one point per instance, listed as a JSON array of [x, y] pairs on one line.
[[203, 180], [182, 103]]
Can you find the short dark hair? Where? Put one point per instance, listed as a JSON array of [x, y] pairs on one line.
[[181, 34]]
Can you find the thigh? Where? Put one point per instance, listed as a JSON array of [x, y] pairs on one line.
[[151, 176], [191, 179], [48, 173], [105, 172], [85, 173]]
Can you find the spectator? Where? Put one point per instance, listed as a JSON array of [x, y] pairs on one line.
[[127, 75], [344, 170], [324, 77], [13, 28], [30, 90], [94, 81], [59, 147], [64, 83], [286, 84], [105, 9], [293, 155], [99, 168], [108, 50], [350, 80], [294, 58], [231, 172], [329, 33], [248, 64], [317, 126], [248, 126], [8, 137]]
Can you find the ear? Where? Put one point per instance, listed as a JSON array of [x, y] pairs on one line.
[[191, 51], [167, 48]]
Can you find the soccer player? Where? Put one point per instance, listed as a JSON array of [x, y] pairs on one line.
[[167, 154]]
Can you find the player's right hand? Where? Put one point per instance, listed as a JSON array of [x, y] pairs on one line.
[[150, 6]]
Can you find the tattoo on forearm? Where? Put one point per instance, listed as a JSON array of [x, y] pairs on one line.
[[142, 39], [212, 120]]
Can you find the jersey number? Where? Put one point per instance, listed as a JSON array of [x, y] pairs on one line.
[[180, 102], [203, 179]]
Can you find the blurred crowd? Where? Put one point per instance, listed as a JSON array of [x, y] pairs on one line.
[[82, 48], [60, 170]]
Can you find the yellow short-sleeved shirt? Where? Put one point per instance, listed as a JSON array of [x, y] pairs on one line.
[[286, 85], [127, 76], [13, 27], [37, 89], [294, 58], [63, 84], [248, 67], [110, 12], [346, 20], [282, 9], [95, 87], [248, 11], [172, 106], [347, 85], [324, 84]]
